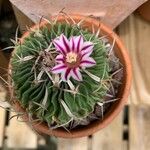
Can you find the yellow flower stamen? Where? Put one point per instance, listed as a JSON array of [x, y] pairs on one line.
[[71, 57]]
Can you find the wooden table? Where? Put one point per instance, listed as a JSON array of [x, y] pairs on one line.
[[111, 12]]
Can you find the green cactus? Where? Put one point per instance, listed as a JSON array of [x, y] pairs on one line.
[[42, 93]]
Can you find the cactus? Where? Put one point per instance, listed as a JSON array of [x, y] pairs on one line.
[[45, 88]]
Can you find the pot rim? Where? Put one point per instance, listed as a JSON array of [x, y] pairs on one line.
[[96, 125]]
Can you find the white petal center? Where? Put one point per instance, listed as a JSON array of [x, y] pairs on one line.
[[71, 57]]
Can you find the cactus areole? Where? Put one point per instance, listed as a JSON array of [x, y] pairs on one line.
[[66, 74]]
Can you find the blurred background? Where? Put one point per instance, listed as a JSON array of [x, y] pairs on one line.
[[129, 131]]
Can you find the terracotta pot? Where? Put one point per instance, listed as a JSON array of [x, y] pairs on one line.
[[116, 107], [144, 10]]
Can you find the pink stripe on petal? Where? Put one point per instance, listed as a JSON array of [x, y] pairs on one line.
[[59, 58], [58, 68], [76, 74], [86, 53], [80, 43], [88, 63], [67, 74], [72, 44], [66, 43], [59, 47], [87, 45]]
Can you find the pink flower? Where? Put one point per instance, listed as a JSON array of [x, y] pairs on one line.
[[74, 55]]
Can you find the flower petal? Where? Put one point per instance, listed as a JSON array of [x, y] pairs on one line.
[[72, 44], [88, 62], [65, 42], [77, 45], [76, 74], [87, 49], [58, 68], [60, 58], [86, 53], [59, 46], [78, 41], [67, 74], [87, 45]]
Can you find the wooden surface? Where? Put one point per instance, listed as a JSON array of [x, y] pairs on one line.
[[22, 19], [24, 136], [139, 127], [111, 12], [131, 128], [2, 116], [73, 144], [2, 125], [111, 136], [135, 33]]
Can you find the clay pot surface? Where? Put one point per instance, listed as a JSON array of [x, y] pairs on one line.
[[123, 93], [144, 10]]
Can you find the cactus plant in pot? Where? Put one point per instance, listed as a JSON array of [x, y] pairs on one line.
[[70, 76]]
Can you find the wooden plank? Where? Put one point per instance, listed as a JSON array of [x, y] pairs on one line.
[[2, 115], [135, 32], [19, 135], [125, 145], [110, 12], [22, 19], [2, 94], [109, 138], [139, 124], [73, 144], [2, 125]]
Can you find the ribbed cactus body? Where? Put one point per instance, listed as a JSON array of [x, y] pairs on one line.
[[56, 103]]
